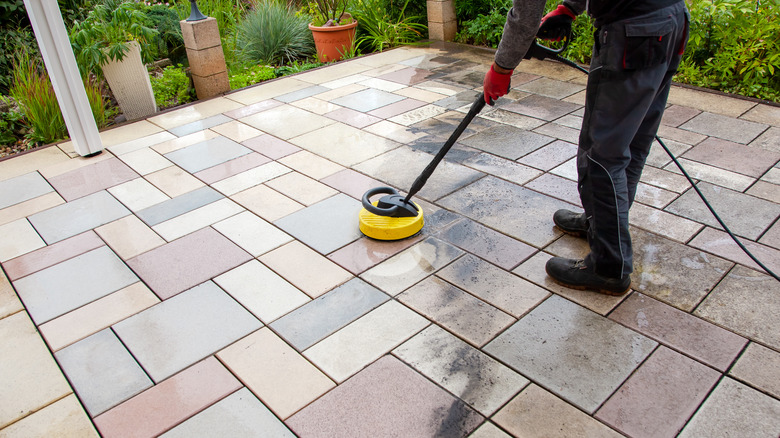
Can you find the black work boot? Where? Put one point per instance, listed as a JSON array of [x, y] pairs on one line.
[[571, 223], [575, 274]]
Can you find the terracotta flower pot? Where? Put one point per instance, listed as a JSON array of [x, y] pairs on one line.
[[333, 41]]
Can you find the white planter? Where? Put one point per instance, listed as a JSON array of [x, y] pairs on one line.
[[129, 81]]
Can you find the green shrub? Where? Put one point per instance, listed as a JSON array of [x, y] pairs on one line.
[[171, 87], [273, 34], [734, 46], [15, 40], [485, 29], [11, 123], [105, 34], [168, 42], [244, 76], [296, 67], [381, 29]]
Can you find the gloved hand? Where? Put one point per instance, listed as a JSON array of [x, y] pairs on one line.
[[496, 84], [556, 24]]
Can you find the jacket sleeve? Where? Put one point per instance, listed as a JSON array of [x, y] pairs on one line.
[[577, 6], [522, 23]]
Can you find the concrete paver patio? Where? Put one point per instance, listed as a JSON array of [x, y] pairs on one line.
[[205, 275]]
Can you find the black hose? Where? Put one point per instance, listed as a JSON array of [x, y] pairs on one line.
[[712, 210]]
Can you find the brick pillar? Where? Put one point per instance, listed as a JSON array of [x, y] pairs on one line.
[[207, 61], [442, 24]]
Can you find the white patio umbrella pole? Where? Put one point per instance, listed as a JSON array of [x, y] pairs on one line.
[[60, 62]]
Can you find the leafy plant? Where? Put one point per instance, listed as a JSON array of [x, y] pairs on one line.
[[381, 31], [245, 76], [329, 12], [33, 92], [106, 32], [227, 12], [734, 46], [273, 34], [15, 40], [485, 29], [165, 21], [297, 67], [171, 87], [11, 123]]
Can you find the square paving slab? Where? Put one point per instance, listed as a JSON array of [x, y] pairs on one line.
[[571, 351], [387, 399], [326, 225], [482, 382]]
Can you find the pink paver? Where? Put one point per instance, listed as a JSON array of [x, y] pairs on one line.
[[169, 403]]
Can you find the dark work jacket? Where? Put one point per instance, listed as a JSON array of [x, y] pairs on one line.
[[522, 21], [607, 11]]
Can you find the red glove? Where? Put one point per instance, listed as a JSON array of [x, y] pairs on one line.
[[556, 24], [496, 84]]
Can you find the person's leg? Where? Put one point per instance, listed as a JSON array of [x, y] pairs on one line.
[[624, 102]]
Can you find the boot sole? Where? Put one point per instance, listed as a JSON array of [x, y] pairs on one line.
[[575, 233], [590, 288]]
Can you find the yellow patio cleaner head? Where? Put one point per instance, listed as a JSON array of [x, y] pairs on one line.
[[390, 218], [394, 217]]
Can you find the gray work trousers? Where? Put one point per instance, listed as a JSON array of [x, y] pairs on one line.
[[630, 76]]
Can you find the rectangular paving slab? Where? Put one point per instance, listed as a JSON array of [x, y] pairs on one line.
[[174, 334], [102, 371], [519, 212], [310, 323], [73, 283], [77, 216]]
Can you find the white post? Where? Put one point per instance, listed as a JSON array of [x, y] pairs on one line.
[[63, 71]]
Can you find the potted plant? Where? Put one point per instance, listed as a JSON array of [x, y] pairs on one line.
[[111, 41], [333, 29]]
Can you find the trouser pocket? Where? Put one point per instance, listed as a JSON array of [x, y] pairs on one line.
[[647, 44]]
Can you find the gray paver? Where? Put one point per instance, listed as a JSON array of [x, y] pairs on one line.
[[745, 215], [745, 302], [519, 212], [75, 217], [571, 351], [482, 382], [507, 141], [727, 128], [239, 415], [179, 205], [22, 188], [325, 226], [207, 154], [672, 272], [102, 371], [189, 128], [66, 286], [176, 333], [312, 322]]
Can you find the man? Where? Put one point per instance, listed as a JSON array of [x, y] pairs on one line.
[[637, 49]]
